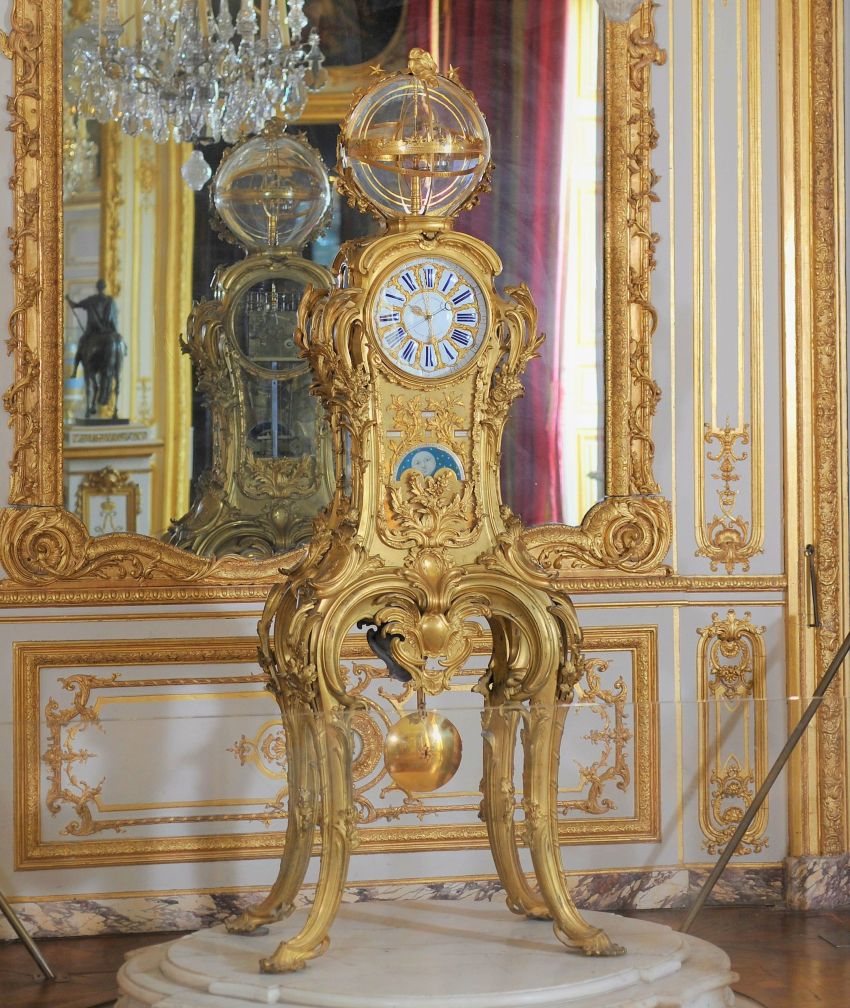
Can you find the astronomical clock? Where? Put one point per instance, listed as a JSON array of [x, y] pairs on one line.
[[271, 468], [416, 357]]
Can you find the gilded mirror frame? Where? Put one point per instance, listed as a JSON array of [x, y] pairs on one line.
[[48, 555]]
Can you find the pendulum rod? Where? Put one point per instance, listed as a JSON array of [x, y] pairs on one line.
[[767, 784]]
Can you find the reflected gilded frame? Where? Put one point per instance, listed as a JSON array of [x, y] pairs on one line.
[[47, 553]]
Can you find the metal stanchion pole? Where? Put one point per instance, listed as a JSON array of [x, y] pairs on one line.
[[761, 794], [22, 933]]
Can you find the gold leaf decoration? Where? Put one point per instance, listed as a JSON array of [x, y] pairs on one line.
[[727, 539], [732, 681]]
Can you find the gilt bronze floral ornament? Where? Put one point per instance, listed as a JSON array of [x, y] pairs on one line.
[[417, 358]]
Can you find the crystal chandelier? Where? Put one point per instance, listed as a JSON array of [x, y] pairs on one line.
[[183, 72], [79, 153]]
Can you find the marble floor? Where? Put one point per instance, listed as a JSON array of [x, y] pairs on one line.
[[781, 958]]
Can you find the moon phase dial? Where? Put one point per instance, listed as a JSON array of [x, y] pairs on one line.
[[430, 317]]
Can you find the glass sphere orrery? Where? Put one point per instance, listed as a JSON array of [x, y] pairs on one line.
[[414, 144], [272, 191]]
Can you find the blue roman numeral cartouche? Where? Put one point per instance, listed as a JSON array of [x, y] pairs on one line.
[[409, 351], [448, 351], [393, 296], [449, 281], [430, 276], [429, 360], [389, 317], [395, 338], [408, 281], [463, 296], [465, 316], [461, 338]]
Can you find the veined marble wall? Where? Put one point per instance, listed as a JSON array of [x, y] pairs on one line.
[[142, 771]]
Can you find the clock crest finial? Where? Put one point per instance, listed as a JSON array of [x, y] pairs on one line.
[[423, 65]]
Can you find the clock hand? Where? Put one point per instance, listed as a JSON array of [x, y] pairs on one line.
[[430, 329], [425, 317], [416, 325]]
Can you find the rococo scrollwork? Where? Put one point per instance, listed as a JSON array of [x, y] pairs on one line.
[[59, 740], [127, 566], [252, 502], [416, 544], [732, 729]]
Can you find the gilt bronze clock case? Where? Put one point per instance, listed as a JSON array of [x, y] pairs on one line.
[[415, 543], [271, 463], [271, 468]]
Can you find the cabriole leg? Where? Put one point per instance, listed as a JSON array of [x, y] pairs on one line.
[[541, 741], [332, 742], [300, 826], [499, 722]]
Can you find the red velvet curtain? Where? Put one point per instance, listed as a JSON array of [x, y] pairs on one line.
[[511, 55]]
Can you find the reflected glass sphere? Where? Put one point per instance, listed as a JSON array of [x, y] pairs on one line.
[[272, 192], [415, 143]]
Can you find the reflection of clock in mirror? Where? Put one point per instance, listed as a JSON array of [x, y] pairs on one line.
[[270, 466], [430, 316]]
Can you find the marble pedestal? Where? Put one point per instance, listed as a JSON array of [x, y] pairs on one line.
[[434, 954]]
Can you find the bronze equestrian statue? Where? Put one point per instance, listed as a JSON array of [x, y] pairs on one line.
[[100, 350]]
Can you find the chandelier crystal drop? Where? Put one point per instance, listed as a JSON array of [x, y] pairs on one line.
[[177, 70], [79, 153]]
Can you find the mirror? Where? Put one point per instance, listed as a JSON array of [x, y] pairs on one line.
[[564, 213], [132, 222]]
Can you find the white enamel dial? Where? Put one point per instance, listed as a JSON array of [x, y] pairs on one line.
[[430, 317]]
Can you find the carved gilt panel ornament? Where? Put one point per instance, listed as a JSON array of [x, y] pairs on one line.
[[95, 501], [732, 730], [47, 554], [270, 471], [417, 359], [75, 812]]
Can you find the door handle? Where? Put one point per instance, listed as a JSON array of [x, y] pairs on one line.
[[813, 586]]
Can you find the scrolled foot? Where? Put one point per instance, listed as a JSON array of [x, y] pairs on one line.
[[538, 911], [251, 921], [597, 943], [287, 959]]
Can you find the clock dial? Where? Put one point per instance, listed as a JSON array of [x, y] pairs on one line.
[[430, 317]]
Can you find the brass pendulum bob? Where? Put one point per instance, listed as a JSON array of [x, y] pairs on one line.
[[422, 752]]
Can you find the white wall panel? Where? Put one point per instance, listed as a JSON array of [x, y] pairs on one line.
[[710, 315]]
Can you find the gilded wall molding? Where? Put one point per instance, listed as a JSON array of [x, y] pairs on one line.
[[828, 419], [35, 413], [111, 201], [731, 686], [51, 546], [628, 533], [816, 422], [644, 53], [52, 749], [728, 539], [141, 591], [732, 452]]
